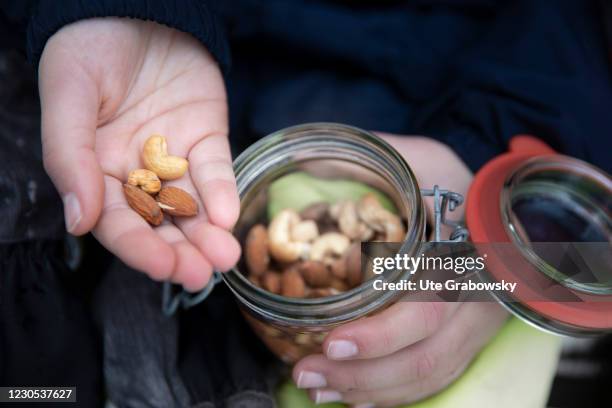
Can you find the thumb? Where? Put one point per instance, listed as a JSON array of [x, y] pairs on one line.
[[69, 108]]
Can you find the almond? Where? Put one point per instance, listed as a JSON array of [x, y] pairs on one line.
[[292, 284], [338, 267], [271, 281], [314, 273], [339, 285], [143, 204], [353, 265], [177, 202], [256, 250]]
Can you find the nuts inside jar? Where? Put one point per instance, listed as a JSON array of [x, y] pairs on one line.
[[316, 252]]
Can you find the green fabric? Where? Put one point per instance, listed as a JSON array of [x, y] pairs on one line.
[[517, 366], [299, 190]]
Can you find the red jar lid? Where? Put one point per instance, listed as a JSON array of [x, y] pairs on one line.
[[485, 224]]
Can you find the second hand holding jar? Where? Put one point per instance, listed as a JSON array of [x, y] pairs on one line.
[[291, 312]]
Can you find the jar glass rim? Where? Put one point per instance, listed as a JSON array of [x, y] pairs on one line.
[[520, 184], [265, 155]]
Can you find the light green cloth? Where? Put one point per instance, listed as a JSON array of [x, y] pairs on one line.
[[515, 369], [298, 190]]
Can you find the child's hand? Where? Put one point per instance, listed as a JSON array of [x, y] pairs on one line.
[[106, 85], [410, 350]]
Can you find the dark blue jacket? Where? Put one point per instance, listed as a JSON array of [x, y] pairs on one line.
[[470, 73]]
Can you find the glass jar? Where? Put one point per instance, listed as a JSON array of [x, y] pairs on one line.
[[295, 327]]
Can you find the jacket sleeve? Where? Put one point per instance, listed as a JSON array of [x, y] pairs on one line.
[[550, 80], [195, 17]]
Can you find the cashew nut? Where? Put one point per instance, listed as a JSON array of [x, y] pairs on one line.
[[379, 219], [329, 244], [304, 231], [145, 179], [334, 210], [345, 212], [281, 244], [155, 157]]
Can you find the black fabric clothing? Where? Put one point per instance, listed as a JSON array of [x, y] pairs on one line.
[[241, 372], [30, 207], [47, 336], [205, 357], [583, 374], [140, 344]]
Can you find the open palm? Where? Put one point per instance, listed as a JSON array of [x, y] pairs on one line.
[[106, 85]]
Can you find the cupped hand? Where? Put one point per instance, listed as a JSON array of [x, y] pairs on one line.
[[106, 85], [412, 349]]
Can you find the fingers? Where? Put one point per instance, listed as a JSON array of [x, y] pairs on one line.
[[403, 367], [213, 175], [216, 244], [163, 253], [408, 374], [69, 104], [127, 235], [397, 327], [388, 397], [191, 269]]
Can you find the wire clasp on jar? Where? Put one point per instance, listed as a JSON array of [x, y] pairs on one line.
[[446, 201]]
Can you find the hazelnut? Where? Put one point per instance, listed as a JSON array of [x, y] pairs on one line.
[[316, 212]]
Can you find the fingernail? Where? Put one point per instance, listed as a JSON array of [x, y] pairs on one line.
[[310, 379], [72, 211], [339, 349], [323, 396]]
